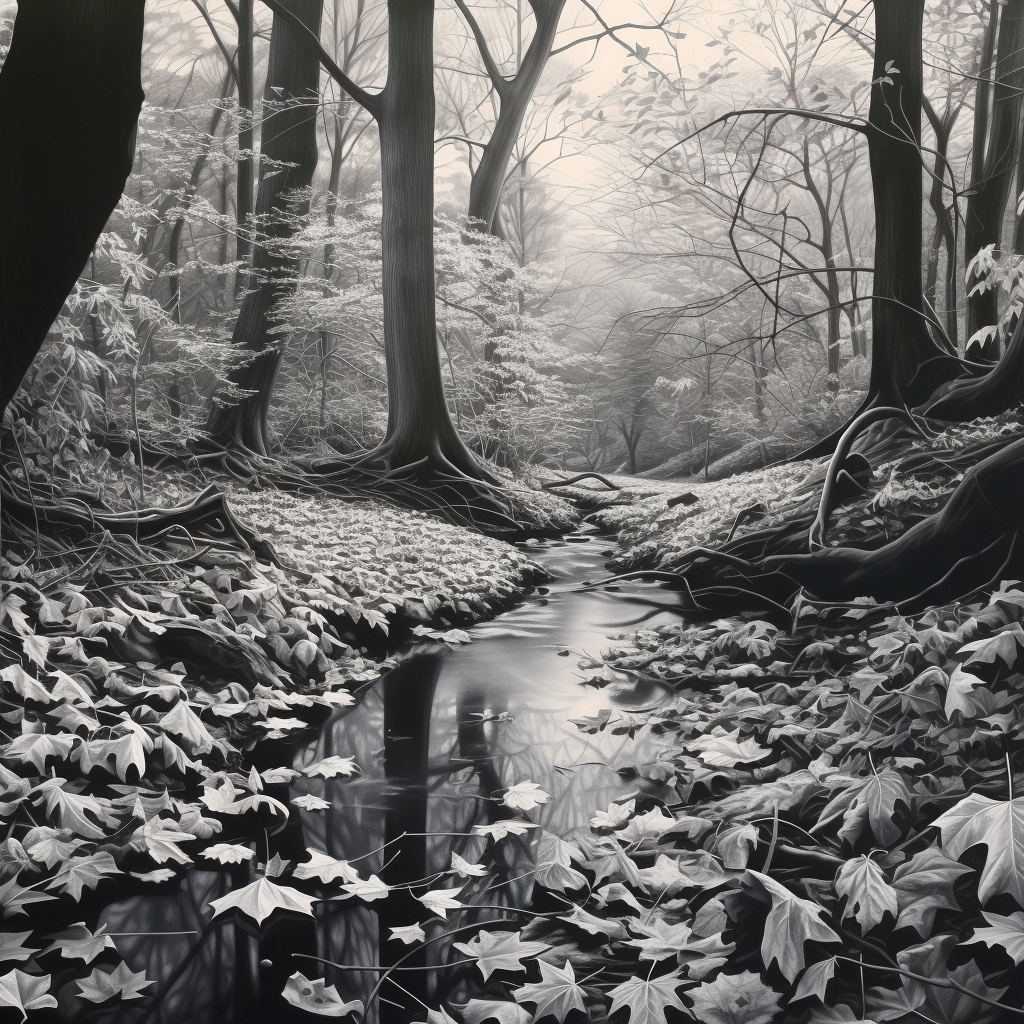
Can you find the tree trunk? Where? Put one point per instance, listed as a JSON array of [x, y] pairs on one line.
[[246, 137], [995, 162], [900, 339], [70, 96], [944, 232], [514, 98], [289, 135], [419, 425]]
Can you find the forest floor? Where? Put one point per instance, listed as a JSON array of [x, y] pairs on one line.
[[844, 845]]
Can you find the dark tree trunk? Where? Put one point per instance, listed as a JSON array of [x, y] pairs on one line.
[[173, 301], [900, 338], [514, 98], [70, 95], [290, 101], [419, 425], [994, 162], [246, 139]]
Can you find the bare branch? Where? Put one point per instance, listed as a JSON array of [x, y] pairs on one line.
[[232, 70], [498, 80]]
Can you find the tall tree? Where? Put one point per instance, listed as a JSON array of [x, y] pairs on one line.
[[289, 157], [70, 96], [997, 135]]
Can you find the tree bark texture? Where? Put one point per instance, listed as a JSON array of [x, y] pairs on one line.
[[70, 96], [900, 339], [997, 147], [291, 100], [943, 233]]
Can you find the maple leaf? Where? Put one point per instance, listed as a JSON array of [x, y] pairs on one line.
[[999, 825], [26, 992], [327, 869], [311, 802], [476, 1011], [408, 933], [121, 983], [727, 750], [28, 686], [331, 766], [161, 837], [924, 885], [35, 748], [183, 722], [78, 943], [524, 796], [71, 808], [553, 863], [464, 869], [1005, 932], [261, 898], [14, 898], [971, 696], [500, 951], [369, 889], [440, 901], [616, 815], [228, 853], [656, 823], [661, 939], [500, 829], [11, 947], [317, 996], [80, 872], [647, 998], [735, 999], [556, 993], [1004, 645], [689, 869], [871, 801], [791, 922], [869, 896], [611, 927]]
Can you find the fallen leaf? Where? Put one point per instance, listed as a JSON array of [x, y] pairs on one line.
[[26, 992], [500, 951], [261, 898], [556, 993], [121, 983], [316, 996], [735, 999], [647, 998]]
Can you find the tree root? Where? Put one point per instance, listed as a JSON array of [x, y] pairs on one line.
[[582, 476]]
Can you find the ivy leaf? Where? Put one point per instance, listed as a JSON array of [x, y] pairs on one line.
[[815, 980], [791, 922], [261, 898], [327, 869], [318, 997], [1004, 645], [727, 751], [29, 687], [924, 885], [735, 999], [556, 993], [183, 722], [1005, 932], [121, 983], [26, 992], [36, 747], [656, 823], [500, 951], [868, 894], [11, 947], [647, 998], [997, 824], [161, 837], [78, 943]]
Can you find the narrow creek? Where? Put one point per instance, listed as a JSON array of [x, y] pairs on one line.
[[436, 741]]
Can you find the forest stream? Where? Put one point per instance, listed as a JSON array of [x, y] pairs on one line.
[[434, 739]]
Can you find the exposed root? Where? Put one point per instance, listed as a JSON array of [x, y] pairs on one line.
[[582, 476]]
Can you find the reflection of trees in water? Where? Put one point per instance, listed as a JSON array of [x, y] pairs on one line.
[[457, 759]]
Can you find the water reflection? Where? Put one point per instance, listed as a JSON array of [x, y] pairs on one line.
[[436, 740]]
